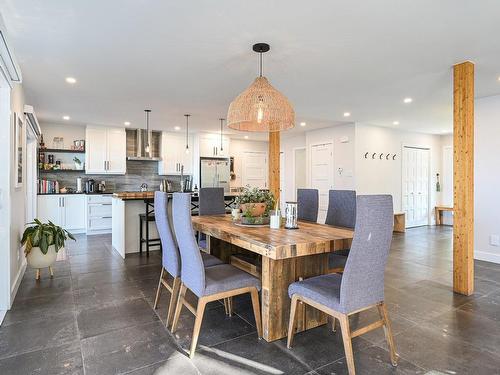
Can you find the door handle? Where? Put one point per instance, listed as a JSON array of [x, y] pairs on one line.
[[104, 164], [62, 201], [59, 201]]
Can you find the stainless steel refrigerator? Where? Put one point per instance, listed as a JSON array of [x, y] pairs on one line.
[[214, 173]]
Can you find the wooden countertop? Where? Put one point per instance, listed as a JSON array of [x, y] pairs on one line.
[[308, 239], [141, 195]]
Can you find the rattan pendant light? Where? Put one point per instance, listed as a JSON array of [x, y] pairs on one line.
[[261, 108]]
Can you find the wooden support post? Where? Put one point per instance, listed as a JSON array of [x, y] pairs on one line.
[[463, 178], [274, 163]]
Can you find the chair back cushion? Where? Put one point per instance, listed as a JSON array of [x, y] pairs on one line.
[[341, 208], [308, 204], [170, 253], [363, 278], [192, 269], [211, 201]]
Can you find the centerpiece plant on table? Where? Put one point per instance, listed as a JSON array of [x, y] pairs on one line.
[[255, 205]]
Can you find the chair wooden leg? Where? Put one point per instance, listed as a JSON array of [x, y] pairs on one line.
[[178, 307], [256, 311], [382, 308], [230, 306], [346, 338], [334, 328], [197, 325], [37, 276], [157, 298], [226, 306], [173, 300], [292, 321], [51, 272]]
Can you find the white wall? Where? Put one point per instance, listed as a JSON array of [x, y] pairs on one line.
[[445, 197], [487, 177], [288, 145], [375, 176], [70, 133]]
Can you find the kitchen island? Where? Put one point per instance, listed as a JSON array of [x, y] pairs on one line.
[[126, 208]]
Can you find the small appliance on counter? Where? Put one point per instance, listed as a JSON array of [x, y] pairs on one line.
[[101, 187], [90, 186]]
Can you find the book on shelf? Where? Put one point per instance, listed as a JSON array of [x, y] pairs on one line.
[[48, 186]]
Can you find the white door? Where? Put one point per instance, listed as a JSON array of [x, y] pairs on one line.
[[416, 186], [95, 150], [49, 208], [73, 210], [116, 145], [254, 169], [322, 175]]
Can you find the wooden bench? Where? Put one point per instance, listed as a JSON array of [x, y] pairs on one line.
[[439, 213], [399, 222]]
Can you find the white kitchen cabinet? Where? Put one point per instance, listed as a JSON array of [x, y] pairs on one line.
[[173, 155], [99, 214], [67, 211], [210, 146], [105, 150]]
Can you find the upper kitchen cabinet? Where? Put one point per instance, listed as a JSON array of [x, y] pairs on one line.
[[210, 145], [174, 156], [105, 150]]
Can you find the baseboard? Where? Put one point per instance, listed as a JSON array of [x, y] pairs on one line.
[[17, 282], [486, 256], [2, 315]]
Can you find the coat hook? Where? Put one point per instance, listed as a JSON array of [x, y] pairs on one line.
[[394, 157], [380, 156], [366, 155], [387, 156], [373, 156]]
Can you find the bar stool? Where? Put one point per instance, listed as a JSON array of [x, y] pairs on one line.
[[146, 218]]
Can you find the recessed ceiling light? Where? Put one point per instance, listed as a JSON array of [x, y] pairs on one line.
[[302, 124], [347, 114], [177, 128], [71, 80], [395, 123], [66, 118], [126, 123], [407, 100], [246, 136], [498, 78]]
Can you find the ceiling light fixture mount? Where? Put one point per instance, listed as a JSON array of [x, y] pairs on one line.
[[260, 108]]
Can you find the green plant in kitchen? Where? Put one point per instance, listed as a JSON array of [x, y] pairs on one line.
[[78, 163], [255, 202], [43, 235]]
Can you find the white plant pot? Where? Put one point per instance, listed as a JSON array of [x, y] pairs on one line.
[[36, 259]]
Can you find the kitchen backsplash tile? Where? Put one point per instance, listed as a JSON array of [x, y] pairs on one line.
[[138, 172]]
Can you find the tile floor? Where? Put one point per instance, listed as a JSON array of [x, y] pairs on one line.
[[96, 317]]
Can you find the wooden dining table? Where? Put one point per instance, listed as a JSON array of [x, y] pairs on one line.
[[287, 255]]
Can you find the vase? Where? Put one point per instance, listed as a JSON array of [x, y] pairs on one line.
[[254, 209], [36, 259]]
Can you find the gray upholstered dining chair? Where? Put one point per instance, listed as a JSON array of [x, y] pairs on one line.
[[341, 213], [171, 260], [308, 204], [208, 284], [361, 286], [211, 202]]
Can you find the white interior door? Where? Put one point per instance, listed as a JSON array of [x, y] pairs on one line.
[[416, 186], [254, 169], [322, 175]]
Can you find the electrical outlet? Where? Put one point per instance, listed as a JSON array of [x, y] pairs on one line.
[[494, 240]]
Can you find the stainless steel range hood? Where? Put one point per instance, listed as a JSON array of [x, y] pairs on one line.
[[136, 145]]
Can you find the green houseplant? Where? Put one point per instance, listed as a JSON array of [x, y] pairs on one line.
[[255, 202], [41, 243], [78, 163]]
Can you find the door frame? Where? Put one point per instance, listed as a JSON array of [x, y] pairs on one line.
[[293, 169], [429, 189]]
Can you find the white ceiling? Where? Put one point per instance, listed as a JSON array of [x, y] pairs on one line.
[[179, 57]]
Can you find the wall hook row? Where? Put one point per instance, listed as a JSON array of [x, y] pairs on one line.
[[381, 156]]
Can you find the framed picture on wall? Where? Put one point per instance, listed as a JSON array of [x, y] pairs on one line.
[[19, 143]]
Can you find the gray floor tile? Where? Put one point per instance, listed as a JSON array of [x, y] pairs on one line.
[[106, 294], [61, 360], [36, 334], [127, 349], [97, 320], [30, 288], [177, 365]]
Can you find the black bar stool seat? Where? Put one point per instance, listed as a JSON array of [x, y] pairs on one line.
[[146, 218]]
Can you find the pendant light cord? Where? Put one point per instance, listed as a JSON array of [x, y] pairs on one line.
[[187, 131], [260, 64], [221, 143]]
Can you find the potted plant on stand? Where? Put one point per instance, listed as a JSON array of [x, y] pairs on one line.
[[255, 205], [41, 243]]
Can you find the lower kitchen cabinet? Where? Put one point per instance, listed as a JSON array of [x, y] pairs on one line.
[[67, 211], [99, 213]]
